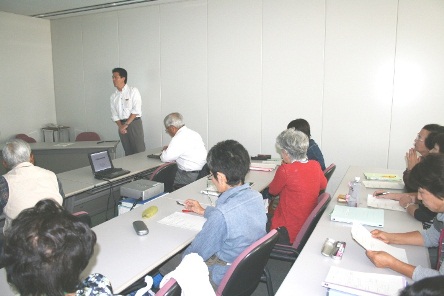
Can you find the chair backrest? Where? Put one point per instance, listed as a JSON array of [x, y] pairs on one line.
[[329, 171], [88, 136], [165, 174], [171, 288], [205, 171], [245, 272], [440, 250], [25, 138], [312, 220]]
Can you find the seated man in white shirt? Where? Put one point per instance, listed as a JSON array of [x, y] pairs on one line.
[[186, 148], [25, 184]]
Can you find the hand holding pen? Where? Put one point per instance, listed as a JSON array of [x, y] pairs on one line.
[[192, 205], [380, 194], [184, 210]]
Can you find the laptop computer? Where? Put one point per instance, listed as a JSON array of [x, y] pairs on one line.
[[102, 166]]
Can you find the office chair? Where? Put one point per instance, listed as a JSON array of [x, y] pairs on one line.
[[165, 174], [249, 269], [171, 288], [25, 138], [205, 171], [328, 172], [440, 250], [290, 253], [88, 136]]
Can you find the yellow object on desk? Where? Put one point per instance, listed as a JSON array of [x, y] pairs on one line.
[[382, 177], [149, 212]]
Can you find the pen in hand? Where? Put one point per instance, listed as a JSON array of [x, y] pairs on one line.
[[382, 193]]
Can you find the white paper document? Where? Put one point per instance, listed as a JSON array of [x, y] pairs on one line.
[[63, 144], [266, 167], [363, 283], [210, 190], [382, 203], [371, 217], [361, 235], [184, 220]]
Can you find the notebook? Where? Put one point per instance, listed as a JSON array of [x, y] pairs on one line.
[[366, 216], [102, 166], [383, 184], [383, 177]]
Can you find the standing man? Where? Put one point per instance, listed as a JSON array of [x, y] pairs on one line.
[[186, 148], [126, 112]]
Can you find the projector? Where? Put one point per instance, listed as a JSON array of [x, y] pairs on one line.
[[143, 189]]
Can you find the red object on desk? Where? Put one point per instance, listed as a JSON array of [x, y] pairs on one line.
[[187, 211]]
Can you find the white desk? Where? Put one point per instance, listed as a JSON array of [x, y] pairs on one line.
[[311, 268]]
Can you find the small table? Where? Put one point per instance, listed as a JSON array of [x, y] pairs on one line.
[[53, 130]]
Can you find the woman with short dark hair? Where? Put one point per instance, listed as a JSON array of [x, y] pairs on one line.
[[313, 151], [45, 251], [237, 220]]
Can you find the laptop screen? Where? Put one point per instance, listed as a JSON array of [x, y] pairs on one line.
[[100, 161]]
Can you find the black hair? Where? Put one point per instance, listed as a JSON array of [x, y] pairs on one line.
[[433, 127], [429, 174], [122, 73], [301, 125], [431, 286], [435, 138], [230, 158], [45, 250]]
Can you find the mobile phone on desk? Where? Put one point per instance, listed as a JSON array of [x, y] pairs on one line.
[[140, 227]]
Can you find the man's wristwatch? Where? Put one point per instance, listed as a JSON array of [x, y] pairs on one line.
[[409, 204]]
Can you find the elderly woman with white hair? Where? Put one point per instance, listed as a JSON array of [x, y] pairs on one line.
[[297, 182]]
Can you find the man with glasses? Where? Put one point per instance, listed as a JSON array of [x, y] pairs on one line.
[[186, 148]]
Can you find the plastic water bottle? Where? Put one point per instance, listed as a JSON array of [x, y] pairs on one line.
[[353, 192]]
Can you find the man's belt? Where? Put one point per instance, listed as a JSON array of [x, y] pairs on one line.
[[125, 120]]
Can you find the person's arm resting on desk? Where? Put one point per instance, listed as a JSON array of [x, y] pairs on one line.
[[384, 260]]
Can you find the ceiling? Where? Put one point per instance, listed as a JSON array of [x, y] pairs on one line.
[[52, 9]]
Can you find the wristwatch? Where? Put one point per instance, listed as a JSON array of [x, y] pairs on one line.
[[409, 204]]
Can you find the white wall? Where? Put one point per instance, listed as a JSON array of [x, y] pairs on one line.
[[26, 79], [365, 73]]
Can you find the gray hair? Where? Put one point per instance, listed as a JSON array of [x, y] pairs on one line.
[[175, 119], [15, 152], [294, 142]]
